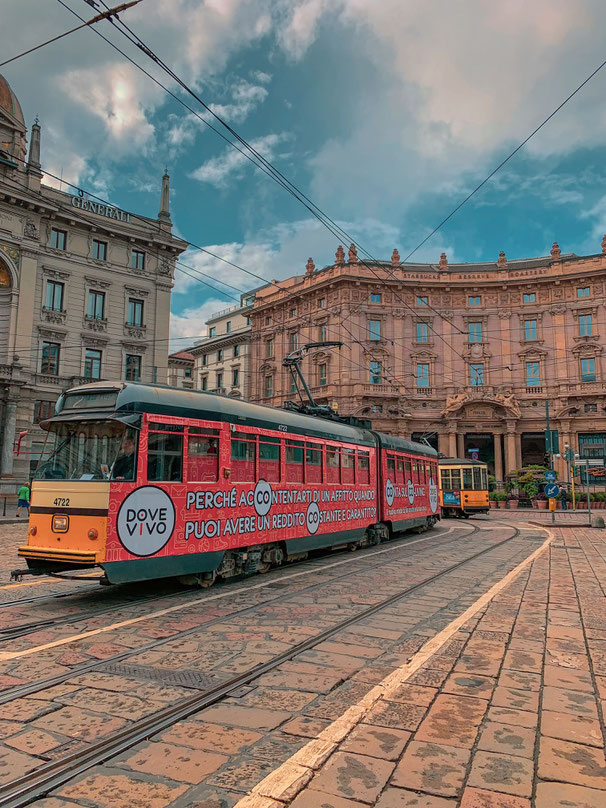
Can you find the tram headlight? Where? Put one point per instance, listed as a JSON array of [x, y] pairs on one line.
[[60, 523], [92, 533]]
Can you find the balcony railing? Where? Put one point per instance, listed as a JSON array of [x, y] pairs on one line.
[[424, 391], [535, 390]]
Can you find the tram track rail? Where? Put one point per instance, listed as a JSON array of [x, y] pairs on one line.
[[40, 782]]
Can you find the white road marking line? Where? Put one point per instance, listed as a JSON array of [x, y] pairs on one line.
[[293, 775], [7, 655]]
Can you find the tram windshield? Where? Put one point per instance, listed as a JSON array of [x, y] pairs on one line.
[[93, 450]]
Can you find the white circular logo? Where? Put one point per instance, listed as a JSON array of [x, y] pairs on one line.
[[411, 492], [389, 492], [433, 495], [146, 520], [313, 517], [262, 497]]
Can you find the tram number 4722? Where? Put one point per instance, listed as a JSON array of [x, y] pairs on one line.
[[61, 502]]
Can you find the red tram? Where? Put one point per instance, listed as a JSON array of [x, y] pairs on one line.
[[149, 482]]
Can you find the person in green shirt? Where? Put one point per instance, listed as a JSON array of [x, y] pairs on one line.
[[23, 499]]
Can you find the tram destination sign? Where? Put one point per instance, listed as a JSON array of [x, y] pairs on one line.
[[110, 212]]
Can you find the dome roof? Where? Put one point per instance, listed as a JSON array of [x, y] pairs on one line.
[[9, 101]]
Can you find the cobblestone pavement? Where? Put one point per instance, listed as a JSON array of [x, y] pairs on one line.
[[502, 709]]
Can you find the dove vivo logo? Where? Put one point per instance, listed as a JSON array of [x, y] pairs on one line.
[[146, 521]]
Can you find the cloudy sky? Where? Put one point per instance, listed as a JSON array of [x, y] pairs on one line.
[[384, 112]]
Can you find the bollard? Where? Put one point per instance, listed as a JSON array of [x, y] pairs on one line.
[[597, 521]]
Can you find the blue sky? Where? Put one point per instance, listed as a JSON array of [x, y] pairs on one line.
[[385, 112]]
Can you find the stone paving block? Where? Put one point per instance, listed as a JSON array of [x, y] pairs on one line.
[[276, 748], [119, 791], [480, 798], [518, 718], [453, 720], [477, 664], [121, 705], [26, 709], [349, 649], [466, 684], [569, 701], [397, 716], [317, 799], [210, 737], [34, 742], [305, 726], [77, 723], [398, 798], [572, 763], [432, 768], [176, 762], [427, 676], [379, 742], [515, 699], [531, 662], [337, 701], [562, 795], [519, 680], [8, 728], [299, 681], [567, 727], [14, 764], [277, 699], [373, 674], [497, 771], [412, 694], [241, 774], [566, 659], [343, 663], [249, 717], [353, 776], [506, 738]]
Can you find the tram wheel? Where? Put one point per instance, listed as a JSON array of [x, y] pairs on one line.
[[202, 579]]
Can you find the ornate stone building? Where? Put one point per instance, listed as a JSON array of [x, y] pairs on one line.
[[465, 355], [84, 292]]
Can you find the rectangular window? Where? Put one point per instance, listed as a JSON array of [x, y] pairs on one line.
[[294, 461], [293, 312], [422, 332], [50, 358], [391, 466], [468, 479], [165, 456], [530, 329], [363, 468], [375, 330], [590, 408], [268, 386], [533, 374], [399, 470], [585, 325], [377, 409], [43, 410], [92, 364], [243, 452], [583, 291], [235, 378], [475, 332], [269, 459], [236, 350], [202, 455], [294, 341], [375, 297], [422, 301], [530, 297], [422, 375], [54, 296], [219, 380], [269, 348], [474, 300], [137, 259], [476, 375], [348, 458], [204, 382], [323, 333], [96, 305], [220, 355], [99, 250], [204, 360], [313, 463], [375, 373], [58, 239], [135, 312], [322, 374], [477, 478], [268, 320], [228, 327], [322, 302], [588, 370], [187, 373], [212, 331], [133, 368], [333, 464]]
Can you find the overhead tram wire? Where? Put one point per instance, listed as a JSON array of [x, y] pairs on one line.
[[102, 16]]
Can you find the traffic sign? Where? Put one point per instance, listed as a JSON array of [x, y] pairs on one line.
[[551, 490], [550, 476]]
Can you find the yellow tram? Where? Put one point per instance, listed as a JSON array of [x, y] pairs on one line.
[[463, 487]]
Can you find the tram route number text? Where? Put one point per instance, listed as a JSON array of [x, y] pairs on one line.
[[63, 503]]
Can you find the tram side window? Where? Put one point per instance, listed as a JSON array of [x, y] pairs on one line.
[[332, 464], [407, 470], [391, 466], [165, 454], [363, 468], [445, 479], [477, 478], [294, 462], [428, 471], [399, 470], [456, 479], [243, 454], [467, 480], [269, 459], [313, 463], [202, 455], [484, 480], [348, 466]]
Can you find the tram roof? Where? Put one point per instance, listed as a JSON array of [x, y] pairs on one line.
[[460, 461], [403, 445]]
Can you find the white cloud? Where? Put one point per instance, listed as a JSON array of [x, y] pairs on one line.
[[190, 324], [230, 164]]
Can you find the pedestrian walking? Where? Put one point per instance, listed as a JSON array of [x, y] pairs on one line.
[[564, 499], [23, 496]]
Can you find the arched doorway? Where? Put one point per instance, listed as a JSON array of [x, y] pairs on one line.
[[5, 308]]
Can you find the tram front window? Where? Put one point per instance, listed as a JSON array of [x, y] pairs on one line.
[[99, 450]]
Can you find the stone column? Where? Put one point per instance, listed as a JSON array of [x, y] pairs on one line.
[[8, 439], [498, 457], [444, 443], [460, 445], [452, 440], [510, 449]]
